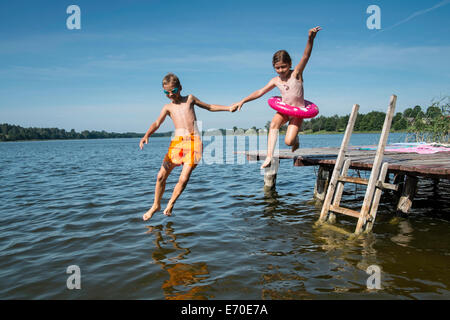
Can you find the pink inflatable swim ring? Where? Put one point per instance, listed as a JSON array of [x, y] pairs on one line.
[[310, 110]]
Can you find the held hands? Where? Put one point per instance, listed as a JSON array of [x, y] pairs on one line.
[[141, 143], [233, 108], [312, 32], [236, 106], [239, 105]]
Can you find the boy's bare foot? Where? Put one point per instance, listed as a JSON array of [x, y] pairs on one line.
[[267, 162], [150, 212], [168, 210], [296, 144]]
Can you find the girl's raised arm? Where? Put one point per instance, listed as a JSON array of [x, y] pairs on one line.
[[307, 53]]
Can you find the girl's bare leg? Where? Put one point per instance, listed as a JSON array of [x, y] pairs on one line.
[[160, 186], [291, 139], [182, 182], [277, 121]]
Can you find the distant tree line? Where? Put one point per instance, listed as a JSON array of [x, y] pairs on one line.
[[432, 125], [9, 132], [372, 121]]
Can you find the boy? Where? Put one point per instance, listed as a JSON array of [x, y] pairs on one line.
[[186, 148]]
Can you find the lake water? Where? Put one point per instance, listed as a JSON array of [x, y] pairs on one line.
[[81, 202]]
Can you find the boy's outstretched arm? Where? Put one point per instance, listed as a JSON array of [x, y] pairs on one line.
[[258, 93], [155, 125], [213, 107], [307, 53]]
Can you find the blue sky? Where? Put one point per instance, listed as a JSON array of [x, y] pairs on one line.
[[107, 76]]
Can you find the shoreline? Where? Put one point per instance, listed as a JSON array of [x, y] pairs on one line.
[[322, 132]]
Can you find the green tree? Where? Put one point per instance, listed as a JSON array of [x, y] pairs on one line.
[[342, 123], [307, 125], [417, 111], [398, 122], [4, 129], [408, 113], [398, 116], [433, 112], [330, 124], [316, 127], [359, 122]]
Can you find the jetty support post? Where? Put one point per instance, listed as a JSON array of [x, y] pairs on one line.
[[270, 174], [399, 181], [408, 193], [323, 177]]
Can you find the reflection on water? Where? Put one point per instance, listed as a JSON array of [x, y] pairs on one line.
[[405, 231], [342, 246], [183, 278], [271, 199]]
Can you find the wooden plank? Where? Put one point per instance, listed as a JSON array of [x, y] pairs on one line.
[[339, 163], [433, 171], [346, 211], [376, 165]]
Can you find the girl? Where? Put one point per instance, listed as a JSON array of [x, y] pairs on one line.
[[290, 83]]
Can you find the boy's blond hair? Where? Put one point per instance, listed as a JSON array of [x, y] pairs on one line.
[[171, 78]]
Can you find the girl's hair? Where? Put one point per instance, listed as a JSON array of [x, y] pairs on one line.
[[281, 56], [170, 78]]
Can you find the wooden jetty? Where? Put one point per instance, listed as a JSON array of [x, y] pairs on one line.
[[334, 164], [435, 165], [406, 168]]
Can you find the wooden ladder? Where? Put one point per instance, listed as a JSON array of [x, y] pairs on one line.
[[375, 183]]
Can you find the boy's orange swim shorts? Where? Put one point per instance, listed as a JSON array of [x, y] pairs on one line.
[[185, 150]]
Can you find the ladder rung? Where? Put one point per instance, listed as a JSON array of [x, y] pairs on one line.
[[381, 185], [389, 186], [345, 211], [353, 180]]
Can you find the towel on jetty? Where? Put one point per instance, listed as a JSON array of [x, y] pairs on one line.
[[421, 148]]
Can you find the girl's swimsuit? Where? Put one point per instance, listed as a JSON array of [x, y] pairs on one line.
[[292, 92]]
